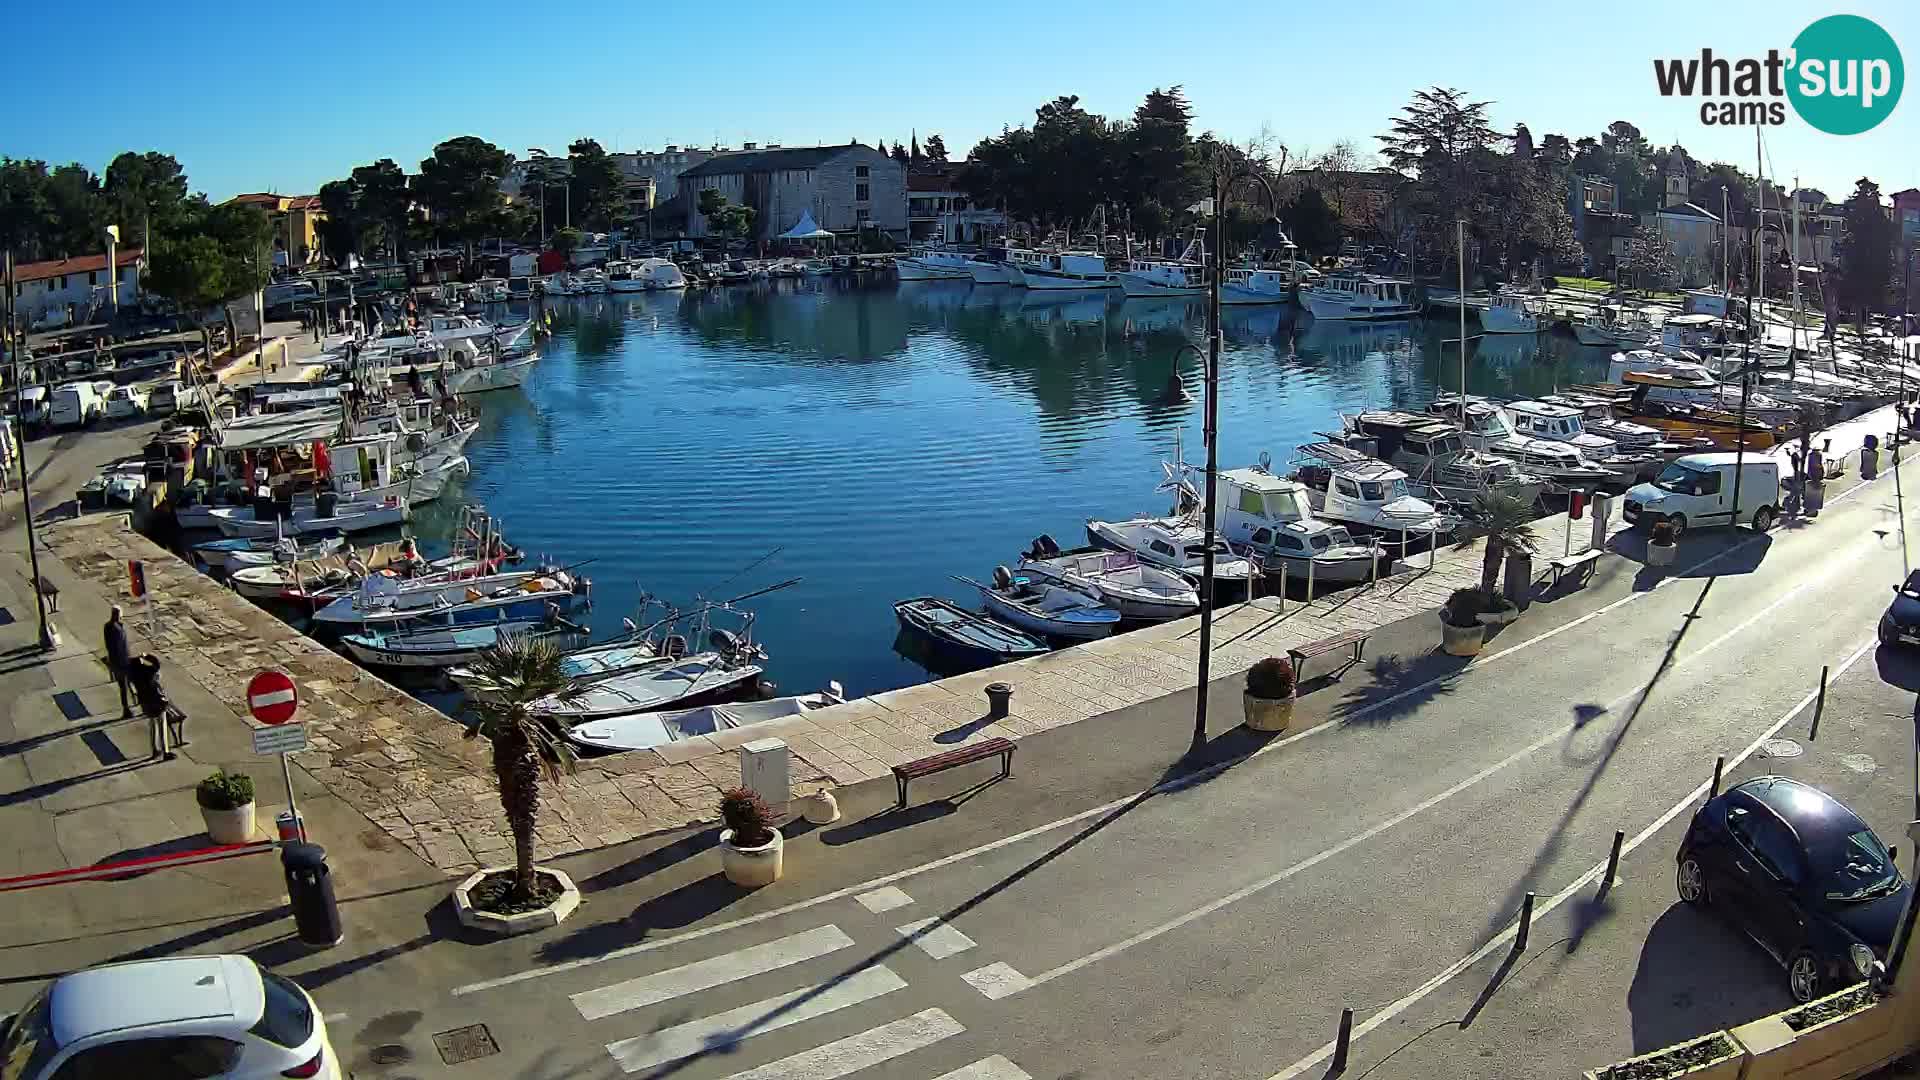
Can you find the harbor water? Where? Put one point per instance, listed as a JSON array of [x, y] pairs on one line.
[[887, 438]]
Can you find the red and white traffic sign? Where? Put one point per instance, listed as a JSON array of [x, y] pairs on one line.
[[271, 697]]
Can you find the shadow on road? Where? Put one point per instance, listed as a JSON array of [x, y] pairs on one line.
[[1400, 686], [1697, 975]]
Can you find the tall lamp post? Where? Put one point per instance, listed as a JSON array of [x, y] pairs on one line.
[[15, 342], [1225, 175]]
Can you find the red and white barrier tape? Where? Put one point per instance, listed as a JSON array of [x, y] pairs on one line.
[[136, 866]]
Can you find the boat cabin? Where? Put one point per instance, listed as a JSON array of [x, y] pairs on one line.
[[1169, 274], [1694, 332], [1366, 291], [1255, 501], [1410, 440]]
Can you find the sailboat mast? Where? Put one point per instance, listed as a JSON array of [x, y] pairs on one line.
[[1460, 238], [1794, 257]]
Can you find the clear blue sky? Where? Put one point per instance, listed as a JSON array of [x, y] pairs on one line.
[[284, 98]]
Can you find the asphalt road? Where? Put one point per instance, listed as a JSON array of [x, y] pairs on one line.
[[1217, 928]]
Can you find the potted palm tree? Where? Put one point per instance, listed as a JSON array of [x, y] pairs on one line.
[[1460, 631], [1661, 545], [1506, 522], [506, 681], [751, 850], [1269, 694], [226, 805]]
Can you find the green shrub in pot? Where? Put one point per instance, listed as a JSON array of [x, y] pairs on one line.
[[225, 791]]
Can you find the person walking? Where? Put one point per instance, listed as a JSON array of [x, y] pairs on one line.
[[118, 656]]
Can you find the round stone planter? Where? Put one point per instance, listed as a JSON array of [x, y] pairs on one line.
[[1267, 714], [1661, 554], [233, 826], [1461, 640], [751, 867], [820, 808], [522, 922], [1498, 618]]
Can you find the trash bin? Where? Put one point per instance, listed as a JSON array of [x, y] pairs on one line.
[[288, 824], [316, 917]]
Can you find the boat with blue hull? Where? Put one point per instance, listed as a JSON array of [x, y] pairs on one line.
[[445, 646], [383, 602], [962, 638]]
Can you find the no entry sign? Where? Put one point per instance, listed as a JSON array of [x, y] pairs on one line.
[[271, 697]]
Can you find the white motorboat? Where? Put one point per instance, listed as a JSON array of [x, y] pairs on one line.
[[989, 269], [1599, 416], [1510, 313], [666, 683], [590, 281], [1069, 270], [491, 371], [1352, 295], [1052, 611], [644, 731], [562, 284], [1250, 285], [621, 279], [1347, 486], [443, 646], [1176, 543], [1615, 326], [1487, 427], [657, 275], [1271, 518], [347, 516], [935, 264], [1017, 262], [1116, 578], [237, 553], [386, 602], [1185, 276], [1565, 424], [1436, 457], [301, 579]]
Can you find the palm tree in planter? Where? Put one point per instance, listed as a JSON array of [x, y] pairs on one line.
[[1506, 522], [506, 680]]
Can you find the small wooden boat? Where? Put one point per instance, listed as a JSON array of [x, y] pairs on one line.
[[668, 682], [305, 578], [1116, 578], [625, 653], [964, 636], [642, 731], [444, 646], [386, 602], [238, 553], [1053, 611]]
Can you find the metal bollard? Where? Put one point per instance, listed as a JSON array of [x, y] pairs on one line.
[[1719, 765], [1613, 862], [316, 916], [1526, 923], [1309, 580], [1819, 706], [1283, 588], [1343, 1042]]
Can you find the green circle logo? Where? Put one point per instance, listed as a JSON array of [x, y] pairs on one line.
[[1846, 75]]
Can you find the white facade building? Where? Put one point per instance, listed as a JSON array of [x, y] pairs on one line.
[[63, 291]]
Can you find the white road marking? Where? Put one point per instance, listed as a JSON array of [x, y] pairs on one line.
[[1175, 784], [935, 938], [1555, 735], [709, 973], [992, 1068], [335, 1018], [1579, 884], [886, 899], [997, 981], [721, 1030], [855, 1052]]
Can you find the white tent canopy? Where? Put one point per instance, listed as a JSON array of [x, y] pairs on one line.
[[806, 230]]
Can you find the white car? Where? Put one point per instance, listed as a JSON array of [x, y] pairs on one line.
[[126, 402], [184, 1018]]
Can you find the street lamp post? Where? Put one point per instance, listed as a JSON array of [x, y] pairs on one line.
[[1225, 175], [49, 637]]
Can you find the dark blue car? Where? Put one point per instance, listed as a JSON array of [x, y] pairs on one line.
[[1801, 874], [1902, 620]]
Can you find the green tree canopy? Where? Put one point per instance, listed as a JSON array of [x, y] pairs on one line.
[[598, 188], [936, 150], [460, 184], [1866, 251]]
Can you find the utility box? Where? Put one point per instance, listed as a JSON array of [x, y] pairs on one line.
[[1602, 514], [764, 771]]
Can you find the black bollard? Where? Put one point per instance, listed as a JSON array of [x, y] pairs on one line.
[[316, 916], [1613, 862], [1342, 1043], [1526, 924]]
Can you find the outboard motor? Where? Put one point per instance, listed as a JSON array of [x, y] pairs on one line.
[[725, 643], [1045, 545], [1002, 577]]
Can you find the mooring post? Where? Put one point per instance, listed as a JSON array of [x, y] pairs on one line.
[[1819, 706], [1613, 862], [1526, 923], [1343, 1042]]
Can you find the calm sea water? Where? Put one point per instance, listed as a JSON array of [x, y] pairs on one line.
[[885, 439]]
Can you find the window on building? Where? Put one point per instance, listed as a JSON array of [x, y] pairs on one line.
[[863, 216], [861, 193], [63, 282], [93, 277], [862, 171]]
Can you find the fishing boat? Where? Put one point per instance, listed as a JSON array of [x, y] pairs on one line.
[[644, 731], [1359, 491], [265, 517], [1052, 611], [445, 646], [1660, 377], [1271, 517], [1352, 295], [1615, 326], [1070, 270], [1178, 544], [1510, 313], [962, 637], [1117, 579], [238, 553], [1565, 424], [1251, 285], [1018, 260], [732, 668], [1436, 457], [1599, 416], [383, 601], [1185, 276], [989, 267], [935, 264], [1487, 427]]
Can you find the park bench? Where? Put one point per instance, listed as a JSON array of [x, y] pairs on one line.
[[953, 759], [1354, 639], [1580, 562]]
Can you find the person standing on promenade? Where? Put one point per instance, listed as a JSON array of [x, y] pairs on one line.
[[118, 656]]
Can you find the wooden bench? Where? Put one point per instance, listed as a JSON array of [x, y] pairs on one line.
[[1577, 563], [953, 759], [1300, 654]]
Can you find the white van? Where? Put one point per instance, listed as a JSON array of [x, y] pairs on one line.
[[1696, 491], [127, 402], [75, 404], [164, 399], [34, 407]]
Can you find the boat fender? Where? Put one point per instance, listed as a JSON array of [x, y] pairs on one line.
[[1002, 577]]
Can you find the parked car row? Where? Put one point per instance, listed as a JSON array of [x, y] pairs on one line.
[[79, 404]]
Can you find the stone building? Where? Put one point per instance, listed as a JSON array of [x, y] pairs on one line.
[[846, 188]]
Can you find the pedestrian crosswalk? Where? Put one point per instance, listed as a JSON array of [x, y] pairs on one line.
[[657, 1009]]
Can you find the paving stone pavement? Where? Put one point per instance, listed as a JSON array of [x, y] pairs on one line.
[[410, 769]]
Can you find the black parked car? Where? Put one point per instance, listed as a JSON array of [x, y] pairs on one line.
[[1801, 874], [1902, 620]]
